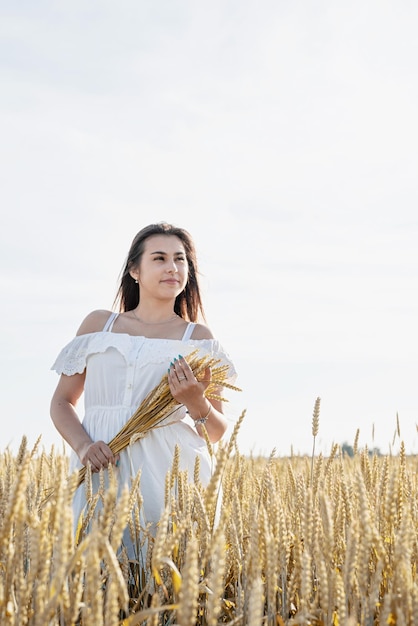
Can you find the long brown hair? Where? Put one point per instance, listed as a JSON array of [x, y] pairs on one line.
[[188, 303]]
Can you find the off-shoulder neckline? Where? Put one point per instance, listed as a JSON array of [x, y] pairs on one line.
[[113, 334]]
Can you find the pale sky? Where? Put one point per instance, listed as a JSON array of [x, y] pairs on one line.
[[283, 136]]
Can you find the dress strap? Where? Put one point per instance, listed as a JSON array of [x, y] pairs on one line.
[[109, 324], [188, 332]]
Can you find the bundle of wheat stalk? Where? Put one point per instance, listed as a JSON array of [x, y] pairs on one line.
[[159, 403]]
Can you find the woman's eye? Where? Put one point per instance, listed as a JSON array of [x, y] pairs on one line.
[[180, 259]]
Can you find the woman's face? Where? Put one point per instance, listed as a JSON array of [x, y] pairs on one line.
[[163, 268]]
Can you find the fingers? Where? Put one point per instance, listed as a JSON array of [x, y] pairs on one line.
[[207, 376], [100, 456], [185, 388], [179, 372]]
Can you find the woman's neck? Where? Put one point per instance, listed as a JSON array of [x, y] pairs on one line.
[[152, 317]]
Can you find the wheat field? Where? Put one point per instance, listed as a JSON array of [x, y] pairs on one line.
[[283, 541]]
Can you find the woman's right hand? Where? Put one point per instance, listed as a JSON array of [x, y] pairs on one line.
[[99, 455], [65, 418]]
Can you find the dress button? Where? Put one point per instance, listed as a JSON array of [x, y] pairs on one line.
[[130, 386]]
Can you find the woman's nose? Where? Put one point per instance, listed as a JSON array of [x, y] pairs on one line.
[[173, 267]]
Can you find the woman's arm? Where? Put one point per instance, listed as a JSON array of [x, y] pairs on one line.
[[67, 422], [215, 423]]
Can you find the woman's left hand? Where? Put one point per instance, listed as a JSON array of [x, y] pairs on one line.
[[189, 391], [184, 386]]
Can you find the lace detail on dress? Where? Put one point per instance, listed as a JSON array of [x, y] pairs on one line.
[[73, 357]]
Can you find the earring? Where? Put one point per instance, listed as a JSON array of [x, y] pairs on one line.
[[136, 281]]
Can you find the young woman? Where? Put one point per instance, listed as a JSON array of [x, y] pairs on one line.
[[116, 359]]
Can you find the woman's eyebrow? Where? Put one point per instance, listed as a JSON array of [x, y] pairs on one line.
[[161, 252]]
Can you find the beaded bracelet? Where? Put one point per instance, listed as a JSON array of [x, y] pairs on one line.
[[202, 420]]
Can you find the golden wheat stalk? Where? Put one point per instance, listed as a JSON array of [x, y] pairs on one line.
[[159, 403]]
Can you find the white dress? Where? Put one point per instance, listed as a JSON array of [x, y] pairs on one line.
[[121, 370]]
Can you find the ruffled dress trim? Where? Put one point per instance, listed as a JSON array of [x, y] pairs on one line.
[[73, 357]]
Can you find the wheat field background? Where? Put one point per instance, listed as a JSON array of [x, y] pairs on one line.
[[283, 541]]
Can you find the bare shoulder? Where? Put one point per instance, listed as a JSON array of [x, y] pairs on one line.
[[94, 322], [201, 331]]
